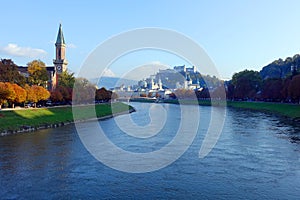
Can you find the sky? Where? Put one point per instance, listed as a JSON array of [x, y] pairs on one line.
[[235, 34]]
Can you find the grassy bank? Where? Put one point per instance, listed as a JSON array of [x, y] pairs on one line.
[[288, 110], [18, 119]]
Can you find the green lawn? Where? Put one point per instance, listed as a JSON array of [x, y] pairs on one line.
[[15, 119], [288, 110]]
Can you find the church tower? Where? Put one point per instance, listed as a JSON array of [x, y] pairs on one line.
[[60, 61]]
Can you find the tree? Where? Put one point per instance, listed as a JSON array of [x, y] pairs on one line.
[[12, 94], [7, 93], [66, 79], [114, 95], [185, 94], [83, 91], [66, 93], [64, 90], [56, 96], [38, 74], [20, 95], [41, 93], [271, 89], [218, 93], [36, 93], [230, 90], [31, 96], [285, 89], [294, 89], [9, 72], [3, 93], [61, 93], [103, 95], [203, 93], [246, 84]]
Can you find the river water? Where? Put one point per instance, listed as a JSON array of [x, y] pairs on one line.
[[256, 157]]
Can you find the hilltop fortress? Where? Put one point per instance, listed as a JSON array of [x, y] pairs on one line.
[[166, 81]]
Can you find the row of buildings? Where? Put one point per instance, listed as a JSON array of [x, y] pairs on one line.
[[163, 83]]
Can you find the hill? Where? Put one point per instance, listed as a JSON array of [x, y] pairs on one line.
[[280, 68]]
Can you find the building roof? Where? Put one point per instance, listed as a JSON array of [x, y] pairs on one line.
[[24, 69], [60, 36]]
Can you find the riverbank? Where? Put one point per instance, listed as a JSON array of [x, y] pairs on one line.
[[283, 109], [287, 110], [26, 120]]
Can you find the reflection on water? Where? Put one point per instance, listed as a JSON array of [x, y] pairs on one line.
[[257, 156]]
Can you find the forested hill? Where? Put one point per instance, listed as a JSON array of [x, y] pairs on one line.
[[280, 68]]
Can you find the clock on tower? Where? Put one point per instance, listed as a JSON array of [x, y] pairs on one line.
[[59, 68]]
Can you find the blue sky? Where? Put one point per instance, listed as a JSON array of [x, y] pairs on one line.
[[236, 34]]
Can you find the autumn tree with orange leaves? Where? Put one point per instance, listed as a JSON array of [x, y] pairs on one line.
[[41, 93], [36, 93], [4, 93], [20, 96]]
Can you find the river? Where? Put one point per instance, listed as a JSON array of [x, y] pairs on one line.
[[256, 157]]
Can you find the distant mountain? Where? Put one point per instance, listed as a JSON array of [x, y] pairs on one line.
[[111, 82], [280, 68]]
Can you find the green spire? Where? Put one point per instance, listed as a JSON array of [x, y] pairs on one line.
[[60, 36]]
